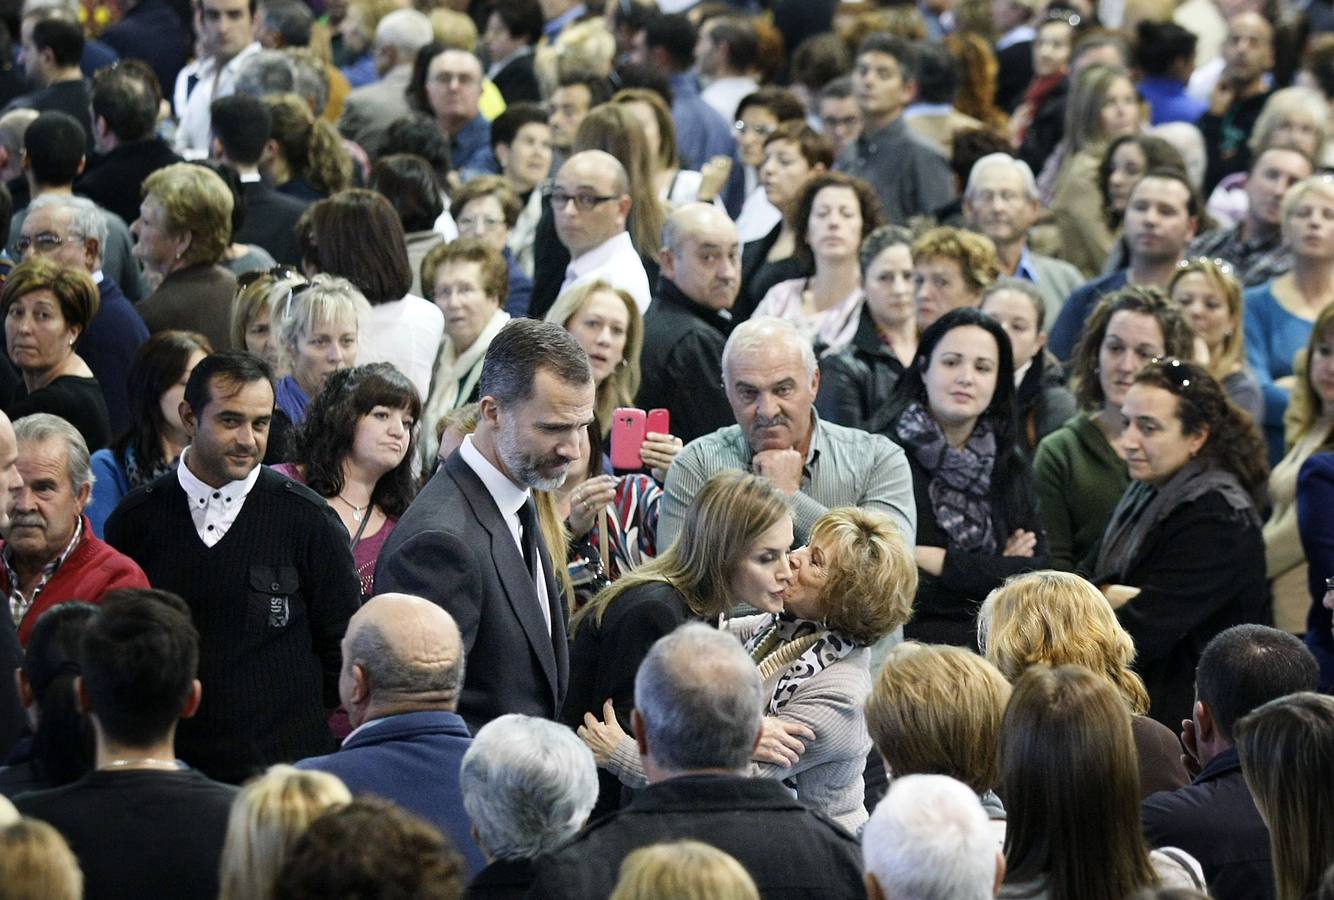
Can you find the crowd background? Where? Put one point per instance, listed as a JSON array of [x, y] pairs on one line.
[[491, 447]]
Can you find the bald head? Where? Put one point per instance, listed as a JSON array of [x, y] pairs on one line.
[[701, 255], [590, 201], [10, 479], [1248, 52], [401, 654], [600, 167]]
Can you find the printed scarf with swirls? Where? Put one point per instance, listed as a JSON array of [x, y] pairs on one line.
[[798, 648]]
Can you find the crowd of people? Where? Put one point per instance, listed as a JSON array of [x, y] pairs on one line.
[[667, 449]]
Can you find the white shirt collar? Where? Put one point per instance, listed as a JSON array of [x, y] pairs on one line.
[[213, 510], [601, 255], [250, 177], [1020, 372], [1016, 35], [509, 497], [196, 489], [98, 276]]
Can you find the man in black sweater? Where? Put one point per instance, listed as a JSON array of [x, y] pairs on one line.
[[143, 824], [263, 563]]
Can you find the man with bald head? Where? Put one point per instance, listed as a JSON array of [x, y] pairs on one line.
[[591, 204], [770, 377], [686, 327], [400, 683], [1241, 92]]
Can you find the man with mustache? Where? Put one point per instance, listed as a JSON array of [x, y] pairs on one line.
[[771, 378], [50, 554], [265, 567], [470, 542]]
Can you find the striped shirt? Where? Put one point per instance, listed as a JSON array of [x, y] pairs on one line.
[[846, 467]]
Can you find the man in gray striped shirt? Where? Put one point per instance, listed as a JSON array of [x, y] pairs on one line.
[[771, 378]]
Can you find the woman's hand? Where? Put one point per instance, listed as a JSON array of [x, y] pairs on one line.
[[930, 560], [716, 172], [1021, 543], [602, 737], [658, 451], [1118, 595], [781, 742], [585, 501]]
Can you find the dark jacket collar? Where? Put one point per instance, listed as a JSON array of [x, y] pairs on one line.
[[702, 793], [407, 725], [672, 296], [1222, 765]]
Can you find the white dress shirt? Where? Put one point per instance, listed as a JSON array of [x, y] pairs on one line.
[[615, 261], [509, 499], [213, 509], [195, 123]]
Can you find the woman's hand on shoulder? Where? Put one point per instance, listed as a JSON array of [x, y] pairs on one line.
[[1020, 543], [781, 742], [602, 737], [1118, 595]]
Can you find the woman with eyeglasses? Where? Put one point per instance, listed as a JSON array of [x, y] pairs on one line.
[[318, 332], [467, 280], [1279, 314], [758, 116], [1183, 555], [1079, 473], [152, 444], [1311, 427], [486, 208], [1209, 296]]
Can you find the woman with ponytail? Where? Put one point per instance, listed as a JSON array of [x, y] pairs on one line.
[[306, 158]]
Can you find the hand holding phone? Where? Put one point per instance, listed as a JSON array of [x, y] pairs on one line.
[[628, 427]]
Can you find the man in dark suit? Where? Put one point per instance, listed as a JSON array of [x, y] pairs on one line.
[[470, 540], [125, 105], [402, 670], [511, 31], [242, 126]]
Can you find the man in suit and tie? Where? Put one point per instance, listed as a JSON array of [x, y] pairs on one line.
[[470, 540]]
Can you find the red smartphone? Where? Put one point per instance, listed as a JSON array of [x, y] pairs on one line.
[[659, 421], [628, 427]]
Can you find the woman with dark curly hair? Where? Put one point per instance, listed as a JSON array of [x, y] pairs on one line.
[[835, 214], [1183, 556], [153, 442], [355, 450], [1079, 475]]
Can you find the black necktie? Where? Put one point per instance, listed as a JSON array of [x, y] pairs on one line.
[[528, 538]]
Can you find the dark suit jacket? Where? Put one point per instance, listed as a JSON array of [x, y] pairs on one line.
[[504, 879], [13, 724], [152, 31], [454, 548], [108, 346], [198, 298], [517, 81], [113, 181], [270, 221], [412, 759]]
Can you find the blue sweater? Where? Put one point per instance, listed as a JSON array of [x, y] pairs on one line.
[[1273, 338]]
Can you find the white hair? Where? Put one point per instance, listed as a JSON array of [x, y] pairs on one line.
[[760, 333], [86, 218], [1005, 160], [528, 785], [929, 839], [404, 29]]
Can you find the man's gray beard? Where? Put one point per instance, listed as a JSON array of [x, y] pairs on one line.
[[521, 467]]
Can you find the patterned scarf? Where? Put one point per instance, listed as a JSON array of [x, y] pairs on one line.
[[960, 488], [137, 476], [798, 648]]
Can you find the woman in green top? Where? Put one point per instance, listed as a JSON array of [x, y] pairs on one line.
[[1080, 477]]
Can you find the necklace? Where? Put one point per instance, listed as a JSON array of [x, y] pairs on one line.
[[357, 511], [146, 761]]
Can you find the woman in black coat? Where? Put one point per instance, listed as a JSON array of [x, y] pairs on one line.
[[1183, 557], [977, 519]]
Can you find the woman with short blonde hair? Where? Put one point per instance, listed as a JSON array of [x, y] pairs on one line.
[[317, 333], [683, 870], [268, 816], [1057, 618]]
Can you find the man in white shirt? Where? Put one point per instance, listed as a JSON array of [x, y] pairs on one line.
[[724, 55], [470, 541], [226, 37], [591, 203]]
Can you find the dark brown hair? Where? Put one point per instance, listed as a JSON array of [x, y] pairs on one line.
[[1178, 339], [869, 202], [357, 235]]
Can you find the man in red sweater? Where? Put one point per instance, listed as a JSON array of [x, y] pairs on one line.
[[51, 554]]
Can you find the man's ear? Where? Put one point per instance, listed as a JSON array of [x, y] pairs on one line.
[[187, 418], [81, 496], [191, 705], [361, 685], [910, 88], [502, 152], [667, 264], [1206, 729], [637, 726]]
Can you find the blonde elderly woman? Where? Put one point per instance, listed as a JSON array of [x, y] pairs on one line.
[[1281, 312], [951, 268], [467, 281], [1057, 618], [850, 586], [268, 816], [46, 308], [937, 710], [318, 329], [1294, 118], [183, 229]]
